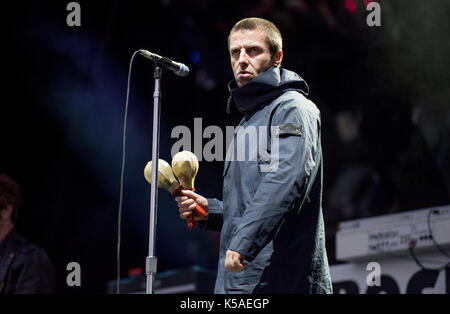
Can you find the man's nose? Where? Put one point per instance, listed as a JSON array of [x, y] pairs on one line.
[[243, 57]]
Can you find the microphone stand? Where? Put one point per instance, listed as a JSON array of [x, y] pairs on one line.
[[151, 261]]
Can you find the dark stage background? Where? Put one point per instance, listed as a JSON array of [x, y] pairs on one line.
[[383, 92]]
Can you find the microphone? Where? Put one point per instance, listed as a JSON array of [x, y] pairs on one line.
[[176, 67]]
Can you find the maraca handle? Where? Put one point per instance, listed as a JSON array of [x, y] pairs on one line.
[[198, 209], [190, 221]]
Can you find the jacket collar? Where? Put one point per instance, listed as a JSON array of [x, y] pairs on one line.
[[264, 88]]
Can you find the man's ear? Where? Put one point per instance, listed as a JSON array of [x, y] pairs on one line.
[[6, 213], [277, 58]]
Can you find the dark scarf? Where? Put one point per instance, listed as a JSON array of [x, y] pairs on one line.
[[264, 88]]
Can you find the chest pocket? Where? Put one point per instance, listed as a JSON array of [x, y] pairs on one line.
[[268, 154]]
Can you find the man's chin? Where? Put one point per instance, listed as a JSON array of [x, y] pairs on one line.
[[242, 83]]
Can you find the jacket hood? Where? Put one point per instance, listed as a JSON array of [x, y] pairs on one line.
[[264, 88]]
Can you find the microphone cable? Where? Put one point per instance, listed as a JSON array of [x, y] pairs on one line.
[[119, 218]]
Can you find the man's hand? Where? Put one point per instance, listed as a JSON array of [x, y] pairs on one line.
[[234, 261], [186, 204]]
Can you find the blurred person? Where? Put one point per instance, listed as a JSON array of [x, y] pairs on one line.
[[272, 231], [24, 267]]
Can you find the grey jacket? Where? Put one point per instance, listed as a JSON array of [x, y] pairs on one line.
[[266, 214]]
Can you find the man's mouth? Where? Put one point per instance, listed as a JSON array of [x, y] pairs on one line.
[[244, 74]]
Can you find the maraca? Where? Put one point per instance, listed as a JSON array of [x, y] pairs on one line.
[[185, 167], [167, 181]]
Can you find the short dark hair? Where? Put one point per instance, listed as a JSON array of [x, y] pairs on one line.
[[273, 34], [10, 195]]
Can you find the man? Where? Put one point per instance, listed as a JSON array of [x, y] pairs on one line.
[[24, 267], [271, 224]]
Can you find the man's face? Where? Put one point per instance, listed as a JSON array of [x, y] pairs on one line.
[[5, 214], [250, 55]]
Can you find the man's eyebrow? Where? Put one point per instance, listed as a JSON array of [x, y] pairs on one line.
[[255, 46], [252, 45]]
